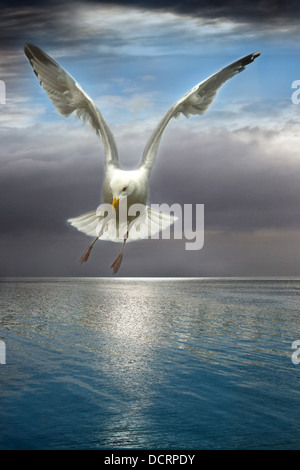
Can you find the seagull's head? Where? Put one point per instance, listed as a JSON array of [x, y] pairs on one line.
[[121, 187]]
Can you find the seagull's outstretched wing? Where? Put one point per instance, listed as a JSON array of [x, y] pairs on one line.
[[68, 97], [196, 101]]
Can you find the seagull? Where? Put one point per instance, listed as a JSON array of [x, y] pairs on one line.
[[122, 188]]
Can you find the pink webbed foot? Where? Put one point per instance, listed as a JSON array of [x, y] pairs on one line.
[[117, 263], [86, 255]]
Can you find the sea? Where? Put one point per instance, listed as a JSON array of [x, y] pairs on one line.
[[150, 363]]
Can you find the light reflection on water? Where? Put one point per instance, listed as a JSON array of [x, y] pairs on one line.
[[139, 363]]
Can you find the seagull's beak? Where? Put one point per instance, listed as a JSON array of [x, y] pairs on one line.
[[115, 202]]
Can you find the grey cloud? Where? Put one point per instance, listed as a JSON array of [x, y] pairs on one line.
[[242, 187], [251, 204], [47, 179], [43, 179], [257, 10]]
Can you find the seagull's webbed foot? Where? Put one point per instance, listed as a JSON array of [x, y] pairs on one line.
[[117, 263], [86, 254]]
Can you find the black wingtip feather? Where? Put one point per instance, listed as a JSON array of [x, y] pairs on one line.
[[29, 55], [250, 58], [33, 52]]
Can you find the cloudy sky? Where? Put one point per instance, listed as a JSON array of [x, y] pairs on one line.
[[135, 59]]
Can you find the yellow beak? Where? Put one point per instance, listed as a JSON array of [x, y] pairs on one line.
[[115, 202]]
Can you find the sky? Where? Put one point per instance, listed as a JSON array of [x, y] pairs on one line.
[[135, 59]]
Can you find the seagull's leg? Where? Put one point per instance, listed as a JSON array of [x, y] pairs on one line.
[[117, 263], [86, 254]]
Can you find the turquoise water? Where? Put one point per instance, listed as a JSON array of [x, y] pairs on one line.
[[149, 364]]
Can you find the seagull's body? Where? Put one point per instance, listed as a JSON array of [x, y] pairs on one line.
[[122, 186]]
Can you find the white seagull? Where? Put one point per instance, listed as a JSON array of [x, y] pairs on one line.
[[122, 186]]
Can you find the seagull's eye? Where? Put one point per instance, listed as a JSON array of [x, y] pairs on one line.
[[125, 188]]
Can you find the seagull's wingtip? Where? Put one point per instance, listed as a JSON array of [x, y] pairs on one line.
[[27, 46]]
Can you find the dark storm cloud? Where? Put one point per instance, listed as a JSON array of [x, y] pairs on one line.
[[257, 10], [243, 185], [45, 182], [21, 23], [233, 175], [19, 20], [250, 197], [266, 11]]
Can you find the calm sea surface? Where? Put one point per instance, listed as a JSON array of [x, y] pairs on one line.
[[150, 364]]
